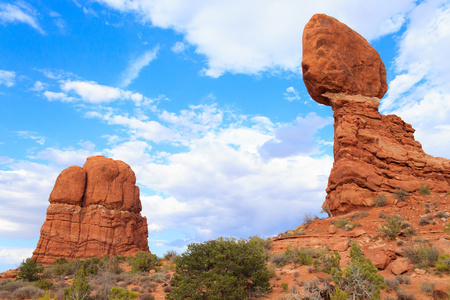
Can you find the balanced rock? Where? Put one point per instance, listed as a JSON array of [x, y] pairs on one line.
[[337, 59], [373, 153], [94, 210]]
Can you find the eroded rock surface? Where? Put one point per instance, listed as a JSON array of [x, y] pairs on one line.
[[94, 210], [373, 153], [336, 59]]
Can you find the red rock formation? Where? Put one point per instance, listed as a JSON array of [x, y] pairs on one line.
[[94, 210], [373, 153]]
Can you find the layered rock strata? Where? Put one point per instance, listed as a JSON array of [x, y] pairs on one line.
[[94, 210], [373, 153]]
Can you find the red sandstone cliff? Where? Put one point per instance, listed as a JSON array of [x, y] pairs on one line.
[[94, 210], [373, 153]]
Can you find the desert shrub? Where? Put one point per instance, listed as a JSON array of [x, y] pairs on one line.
[[341, 223], [380, 200], [44, 284], [277, 259], [339, 295], [421, 255], [318, 288], [118, 293], [111, 264], [391, 227], [402, 295], [391, 284], [359, 279], [220, 269], [91, 265], [358, 215], [443, 263], [424, 190], [144, 261], [80, 288], [447, 228], [403, 279], [425, 220], [284, 286], [27, 292], [426, 287], [265, 244], [146, 296], [382, 215], [29, 269], [307, 220], [159, 277], [400, 194], [47, 296], [326, 261], [300, 255], [9, 285], [441, 215], [171, 256]]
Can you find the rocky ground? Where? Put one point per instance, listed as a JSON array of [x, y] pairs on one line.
[[427, 215]]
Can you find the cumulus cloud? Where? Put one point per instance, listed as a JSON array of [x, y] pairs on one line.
[[20, 12], [420, 91], [95, 93], [7, 78], [136, 65], [179, 47], [253, 36], [31, 135], [57, 96], [291, 94]]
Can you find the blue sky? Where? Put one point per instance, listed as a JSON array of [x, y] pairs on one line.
[[203, 99]]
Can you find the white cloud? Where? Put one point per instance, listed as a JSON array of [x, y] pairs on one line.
[[31, 135], [39, 86], [297, 138], [136, 65], [95, 93], [20, 12], [14, 255], [7, 78], [260, 35], [179, 47], [68, 156], [291, 94], [131, 152], [420, 92], [55, 96]]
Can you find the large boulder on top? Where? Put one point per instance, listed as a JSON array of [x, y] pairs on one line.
[[336, 59]]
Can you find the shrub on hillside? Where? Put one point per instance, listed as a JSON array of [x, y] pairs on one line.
[[421, 255], [359, 279], [443, 263], [380, 200], [118, 293], [424, 190], [220, 269], [327, 261], [144, 261], [80, 288], [400, 194], [29, 269], [394, 225]]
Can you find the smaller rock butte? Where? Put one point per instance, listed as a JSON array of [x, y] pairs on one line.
[[373, 153], [94, 210]]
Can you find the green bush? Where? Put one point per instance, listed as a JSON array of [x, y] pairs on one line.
[[47, 296], [443, 263], [220, 269], [392, 226], [380, 200], [300, 255], [44, 284], [284, 286], [29, 269], [339, 295], [421, 255], [424, 190], [359, 279], [326, 261], [80, 288], [118, 293], [427, 287], [144, 261], [400, 194]]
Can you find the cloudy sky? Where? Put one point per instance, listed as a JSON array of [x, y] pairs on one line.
[[203, 99]]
